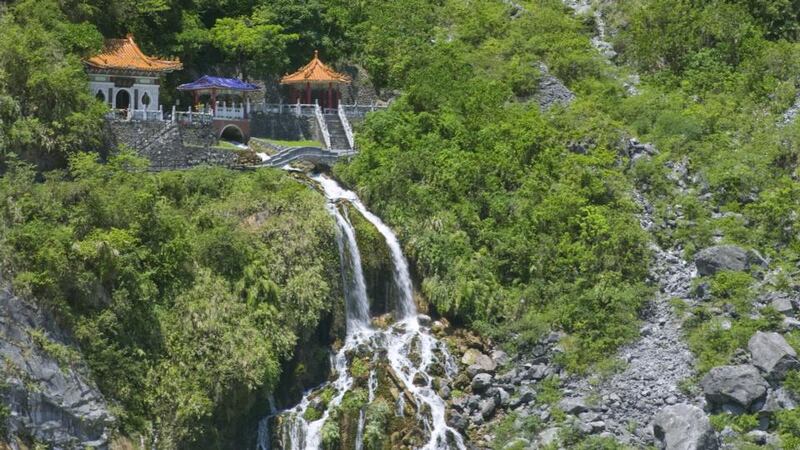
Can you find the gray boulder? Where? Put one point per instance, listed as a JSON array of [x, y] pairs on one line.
[[734, 388], [771, 353], [487, 407], [551, 91], [721, 257], [481, 382], [782, 304], [573, 406], [778, 400], [683, 427], [500, 358], [549, 436], [481, 362]]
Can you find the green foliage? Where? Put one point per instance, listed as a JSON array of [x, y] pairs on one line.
[[64, 355], [789, 427], [359, 368], [46, 111], [714, 345], [507, 228], [379, 413], [512, 427], [354, 400], [312, 414], [330, 434], [741, 423], [792, 382], [254, 44], [186, 290], [549, 391]]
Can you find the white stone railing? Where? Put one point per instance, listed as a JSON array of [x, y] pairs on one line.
[[307, 109], [323, 126], [348, 130], [190, 116], [146, 115], [149, 115], [360, 110], [232, 111]]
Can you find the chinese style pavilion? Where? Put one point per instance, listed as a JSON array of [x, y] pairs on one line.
[[228, 89], [126, 78], [316, 82]]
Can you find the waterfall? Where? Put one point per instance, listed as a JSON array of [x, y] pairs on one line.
[[355, 291], [263, 440], [362, 419], [402, 277], [410, 348]]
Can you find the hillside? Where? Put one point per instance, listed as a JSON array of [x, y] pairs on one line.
[[596, 200]]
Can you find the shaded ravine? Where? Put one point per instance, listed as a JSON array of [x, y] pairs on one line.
[[409, 348]]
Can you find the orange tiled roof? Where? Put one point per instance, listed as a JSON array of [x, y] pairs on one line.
[[124, 54], [315, 71]]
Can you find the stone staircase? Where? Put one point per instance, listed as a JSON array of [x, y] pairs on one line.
[[336, 132]]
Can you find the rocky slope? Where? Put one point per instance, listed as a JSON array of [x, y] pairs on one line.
[[47, 396]]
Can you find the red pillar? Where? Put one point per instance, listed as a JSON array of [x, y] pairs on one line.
[[196, 99], [330, 95], [308, 93], [214, 101]]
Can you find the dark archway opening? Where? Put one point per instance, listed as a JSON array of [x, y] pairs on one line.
[[123, 99], [100, 96], [232, 133]]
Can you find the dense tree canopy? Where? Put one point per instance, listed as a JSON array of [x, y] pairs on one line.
[[186, 290]]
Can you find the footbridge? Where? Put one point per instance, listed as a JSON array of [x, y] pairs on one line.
[[312, 154]]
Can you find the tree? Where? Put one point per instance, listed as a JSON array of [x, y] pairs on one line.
[[255, 44], [46, 112]]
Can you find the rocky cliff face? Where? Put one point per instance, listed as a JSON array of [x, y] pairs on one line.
[[47, 394]]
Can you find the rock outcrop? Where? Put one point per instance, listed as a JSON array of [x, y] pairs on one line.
[[734, 388], [684, 427], [721, 257], [771, 353], [49, 399], [551, 91]]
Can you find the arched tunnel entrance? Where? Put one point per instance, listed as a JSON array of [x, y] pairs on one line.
[[233, 133]]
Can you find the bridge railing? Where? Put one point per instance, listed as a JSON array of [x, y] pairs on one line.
[[323, 126], [232, 111], [348, 130], [192, 117], [150, 115], [146, 115], [307, 109]]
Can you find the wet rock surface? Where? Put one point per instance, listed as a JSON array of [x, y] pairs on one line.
[[49, 399]]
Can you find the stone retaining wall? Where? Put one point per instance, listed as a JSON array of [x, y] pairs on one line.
[[284, 127], [171, 145]]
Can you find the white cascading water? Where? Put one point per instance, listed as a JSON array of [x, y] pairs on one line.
[[399, 342], [263, 439], [362, 420]]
